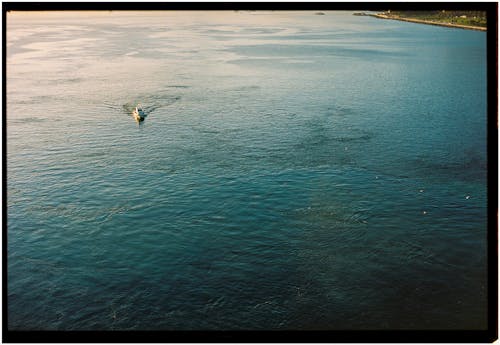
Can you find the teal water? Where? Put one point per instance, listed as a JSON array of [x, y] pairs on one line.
[[295, 171]]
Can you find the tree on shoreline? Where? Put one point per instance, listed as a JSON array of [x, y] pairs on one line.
[[472, 18]]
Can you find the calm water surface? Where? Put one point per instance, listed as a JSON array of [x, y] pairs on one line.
[[295, 171]]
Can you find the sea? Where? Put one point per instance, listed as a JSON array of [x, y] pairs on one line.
[[296, 171]]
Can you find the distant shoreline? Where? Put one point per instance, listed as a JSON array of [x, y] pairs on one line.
[[428, 22]]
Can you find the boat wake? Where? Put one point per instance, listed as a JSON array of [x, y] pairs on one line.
[[150, 103]]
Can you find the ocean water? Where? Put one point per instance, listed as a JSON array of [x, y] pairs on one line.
[[295, 171]]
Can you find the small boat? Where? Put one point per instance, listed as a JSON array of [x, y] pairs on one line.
[[139, 114]]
